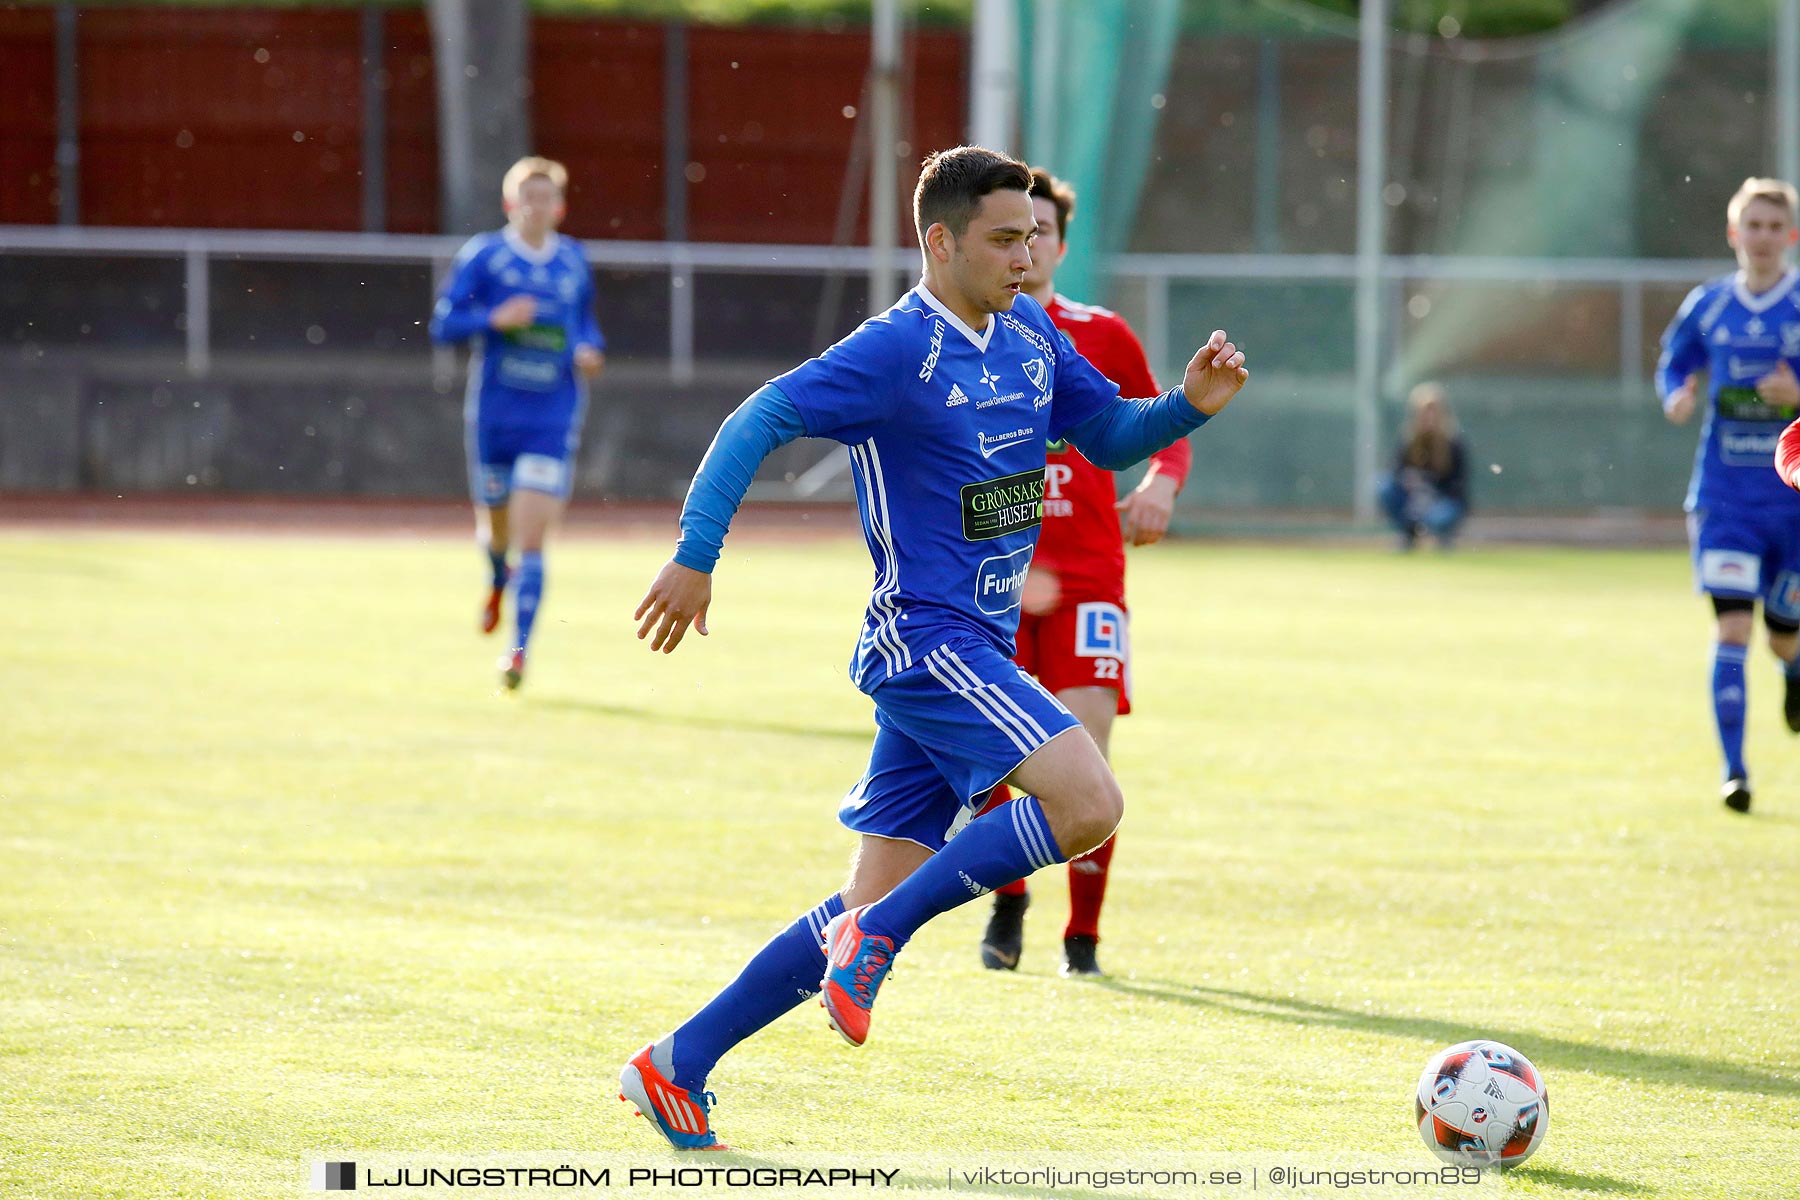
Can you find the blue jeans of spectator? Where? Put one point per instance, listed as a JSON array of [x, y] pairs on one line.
[[1408, 510]]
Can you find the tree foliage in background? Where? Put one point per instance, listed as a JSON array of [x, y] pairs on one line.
[[1468, 18], [1731, 22], [1735, 22]]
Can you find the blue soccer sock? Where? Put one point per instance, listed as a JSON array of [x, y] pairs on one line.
[[781, 975], [497, 560], [1006, 844], [1728, 705], [529, 592]]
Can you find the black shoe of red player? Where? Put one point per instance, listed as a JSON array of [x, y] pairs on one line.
[[1004, 940], [1079, 957]]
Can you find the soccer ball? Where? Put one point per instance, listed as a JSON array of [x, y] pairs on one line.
[[1482, 1104]]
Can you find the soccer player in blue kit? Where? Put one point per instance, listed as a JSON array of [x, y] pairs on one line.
[[946, 402], [1743, 329], [526, 295]]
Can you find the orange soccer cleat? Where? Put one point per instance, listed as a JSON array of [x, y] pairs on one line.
[[678, 1114], [855, 964]]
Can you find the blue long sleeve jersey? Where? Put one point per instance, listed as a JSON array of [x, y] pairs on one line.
[[1737, 338], [521, 378], [947, 431]]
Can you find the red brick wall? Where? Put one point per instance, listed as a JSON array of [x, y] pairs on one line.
[[769, 135], [204, 117], [412, 159], [28, 117], [252, 118], [597, 107]]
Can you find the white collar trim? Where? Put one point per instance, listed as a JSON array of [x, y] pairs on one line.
[[978, 340], [1766, 301], [524, 250]]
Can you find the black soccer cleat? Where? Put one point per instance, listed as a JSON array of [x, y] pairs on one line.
[[1790, 704], [1078, 956], [1736, 794], [1004, 940]]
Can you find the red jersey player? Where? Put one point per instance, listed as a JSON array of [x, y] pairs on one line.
[[1072, 634]]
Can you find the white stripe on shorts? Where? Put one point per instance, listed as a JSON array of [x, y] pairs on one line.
[[983, 703], [1026, 719]]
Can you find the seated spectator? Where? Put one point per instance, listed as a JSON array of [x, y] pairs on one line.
[[1429, 488]]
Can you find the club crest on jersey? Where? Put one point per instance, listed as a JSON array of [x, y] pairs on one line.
[[1038, 373], [1790, 339]]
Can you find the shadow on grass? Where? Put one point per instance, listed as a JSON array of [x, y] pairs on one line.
[[1550, 1052], [1574, 1181], [692, 721]]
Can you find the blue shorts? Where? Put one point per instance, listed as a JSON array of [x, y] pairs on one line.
[[1748, 554], [947, 729], [535, 460]]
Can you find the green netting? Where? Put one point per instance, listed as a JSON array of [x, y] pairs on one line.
[[1613, 138], [1092, 75]]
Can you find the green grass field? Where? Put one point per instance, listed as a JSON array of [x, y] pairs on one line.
[[283, 878]]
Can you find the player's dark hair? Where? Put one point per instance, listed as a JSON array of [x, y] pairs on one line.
[[953, 182], [1048, 187]]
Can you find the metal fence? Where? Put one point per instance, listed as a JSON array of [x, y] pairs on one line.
[[1548, 360]]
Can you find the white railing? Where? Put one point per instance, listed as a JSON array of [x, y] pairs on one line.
[[1154, 273]]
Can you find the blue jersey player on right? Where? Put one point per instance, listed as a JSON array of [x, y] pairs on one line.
[[947, 402], [1743, 330], [525, 296]]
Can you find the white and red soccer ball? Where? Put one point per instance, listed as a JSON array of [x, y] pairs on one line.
[[1482, 1104]]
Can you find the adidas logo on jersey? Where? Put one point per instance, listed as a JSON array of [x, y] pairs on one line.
[[957, 396]]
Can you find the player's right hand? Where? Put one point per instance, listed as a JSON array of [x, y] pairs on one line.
[[678, 598], [1678, 406], [514, 312]]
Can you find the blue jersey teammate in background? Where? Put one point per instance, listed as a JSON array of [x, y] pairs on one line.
[[947, 402], [1743, 329], [526, 296]]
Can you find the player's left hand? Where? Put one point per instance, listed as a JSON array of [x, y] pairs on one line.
[[1214, 374], [1145, 512], [1042, 591], [1779, 388], [589, 361], [680, 596]]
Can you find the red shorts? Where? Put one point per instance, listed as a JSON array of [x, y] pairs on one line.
[[1081, 644]]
